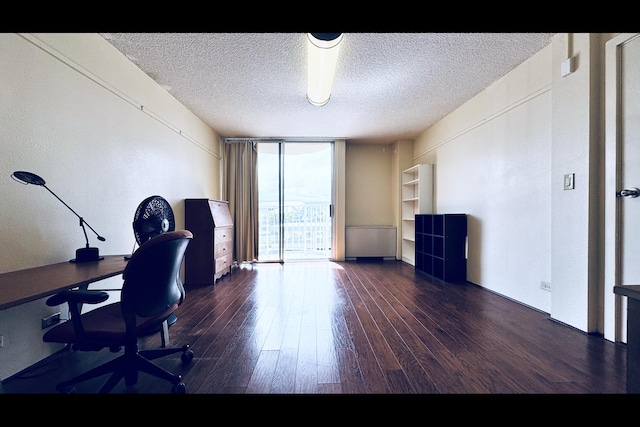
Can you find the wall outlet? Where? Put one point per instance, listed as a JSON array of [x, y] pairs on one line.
[[51, 320], [545, 286]]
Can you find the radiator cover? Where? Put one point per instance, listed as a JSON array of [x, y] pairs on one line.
[[370, 241]]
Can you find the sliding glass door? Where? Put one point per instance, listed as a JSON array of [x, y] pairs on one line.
[[295, 200]]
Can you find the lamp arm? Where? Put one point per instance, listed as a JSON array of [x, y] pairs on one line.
[[102, 239], [84, 230], [82, 221]]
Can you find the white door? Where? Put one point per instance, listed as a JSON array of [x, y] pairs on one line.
[[622, 206]]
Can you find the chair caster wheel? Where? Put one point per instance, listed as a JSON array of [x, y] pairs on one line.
[[187, 357], [179, 388]]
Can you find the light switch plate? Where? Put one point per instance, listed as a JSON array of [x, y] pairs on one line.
[[569, 181]]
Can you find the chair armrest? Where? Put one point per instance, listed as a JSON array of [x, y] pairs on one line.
[[78, 296]]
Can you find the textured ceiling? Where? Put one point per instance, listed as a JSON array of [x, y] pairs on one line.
[[387, 86]]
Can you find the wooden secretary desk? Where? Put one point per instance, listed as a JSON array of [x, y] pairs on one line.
[[209, 256]]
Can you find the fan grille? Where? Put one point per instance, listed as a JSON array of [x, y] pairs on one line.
[[154, 216]]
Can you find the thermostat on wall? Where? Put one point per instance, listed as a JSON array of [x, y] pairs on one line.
[[566, 67]]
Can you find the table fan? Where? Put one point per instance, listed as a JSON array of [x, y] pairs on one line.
[[154, 216]]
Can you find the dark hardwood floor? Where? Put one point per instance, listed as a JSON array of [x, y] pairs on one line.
[[359, 328]]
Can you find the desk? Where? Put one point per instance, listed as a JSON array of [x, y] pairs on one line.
[[632, 292], [22, 286]]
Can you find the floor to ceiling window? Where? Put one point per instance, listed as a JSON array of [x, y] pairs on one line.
[[295, 200]]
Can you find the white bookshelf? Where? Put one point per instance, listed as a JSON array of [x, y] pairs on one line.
[[417, 198]]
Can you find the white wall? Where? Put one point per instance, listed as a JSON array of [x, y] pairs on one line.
[[501, 158], [578, 147], [492, 162], [104, 136]]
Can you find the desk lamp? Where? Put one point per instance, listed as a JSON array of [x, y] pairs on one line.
[[85, 254]]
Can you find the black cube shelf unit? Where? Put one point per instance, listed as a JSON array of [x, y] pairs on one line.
[[441, 242]]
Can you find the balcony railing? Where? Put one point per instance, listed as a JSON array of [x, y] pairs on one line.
[[306, 228]]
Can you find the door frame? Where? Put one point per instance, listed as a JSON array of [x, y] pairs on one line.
[[614, 305]]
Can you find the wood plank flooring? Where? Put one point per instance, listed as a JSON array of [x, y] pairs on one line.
[[359, 328]]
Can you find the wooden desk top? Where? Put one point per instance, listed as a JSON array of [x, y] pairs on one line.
[[631, 291], [19, 287]]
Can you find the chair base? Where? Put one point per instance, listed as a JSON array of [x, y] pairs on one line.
[[128, 365]]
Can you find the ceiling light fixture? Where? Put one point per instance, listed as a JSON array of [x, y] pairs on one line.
[[322, 55]]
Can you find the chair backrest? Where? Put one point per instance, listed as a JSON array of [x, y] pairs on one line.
[[152, 277]]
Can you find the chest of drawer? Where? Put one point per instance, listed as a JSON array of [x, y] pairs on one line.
[[223, 265], [222, 249], [223, 235], [210, 253]]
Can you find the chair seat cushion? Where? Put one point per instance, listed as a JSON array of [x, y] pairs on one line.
[[103, 327]]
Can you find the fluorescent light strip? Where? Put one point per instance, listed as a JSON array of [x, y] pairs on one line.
[[322, 55]]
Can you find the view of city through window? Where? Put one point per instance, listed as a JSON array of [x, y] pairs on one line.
[[305, 205]]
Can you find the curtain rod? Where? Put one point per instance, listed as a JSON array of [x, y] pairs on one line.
[[281, 139]]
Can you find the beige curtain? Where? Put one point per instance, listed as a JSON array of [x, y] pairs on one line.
[[240, 188]]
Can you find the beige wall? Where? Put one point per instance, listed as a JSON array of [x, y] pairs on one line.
[[104, 136], [368, 185]]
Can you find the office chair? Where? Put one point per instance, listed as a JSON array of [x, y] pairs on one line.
[[151, 292]]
